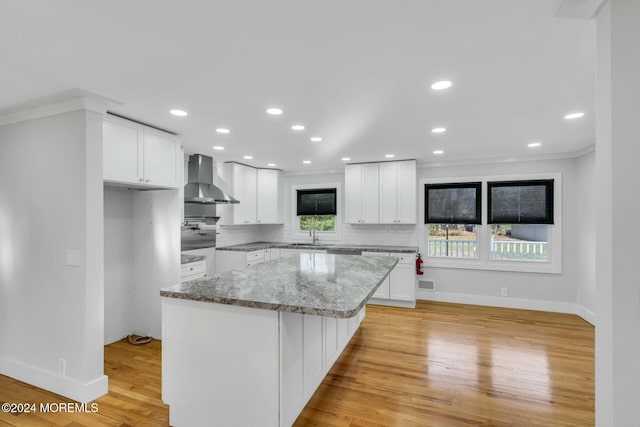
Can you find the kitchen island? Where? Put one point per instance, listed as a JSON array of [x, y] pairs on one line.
[[249, 347]]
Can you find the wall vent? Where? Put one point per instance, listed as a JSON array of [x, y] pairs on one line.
[[426, 285]]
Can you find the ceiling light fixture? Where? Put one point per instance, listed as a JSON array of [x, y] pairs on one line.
[[297, 127], [222, 130], [248, 157], [438, 130], [346, 159], [443, 84], [316, 139], [389, 156], [306, 162], [218, 147], [534, 144], [271, 164], [179, 113], [274, 111], [574, 115], [438, 152]]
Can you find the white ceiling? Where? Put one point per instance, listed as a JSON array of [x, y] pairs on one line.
[[355, 72]]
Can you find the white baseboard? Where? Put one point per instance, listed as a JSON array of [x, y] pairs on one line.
[[392, 302], [80, 391], [587, 315], [508, 302]]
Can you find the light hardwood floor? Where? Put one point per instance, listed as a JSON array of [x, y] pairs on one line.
[[438, 365]]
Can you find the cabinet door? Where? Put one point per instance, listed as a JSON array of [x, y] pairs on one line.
[[388, 190], [383, 290], [330, 341], [122, 151], [407, 185], [403, 280], [159, 159], [267, 196], [291, 367], [370, 193], [353, 194], [244, 189]]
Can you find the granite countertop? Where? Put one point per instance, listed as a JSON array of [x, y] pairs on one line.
[[321, 284], [185, 258], [255, 246]]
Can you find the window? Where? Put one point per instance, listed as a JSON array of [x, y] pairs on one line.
[[315, 207], [502, 223], [519, 213], [451, 212]]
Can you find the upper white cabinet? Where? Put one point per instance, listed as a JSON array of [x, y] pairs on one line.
[[259, 193], [381, 193], [397, 185], [361, 193], [134, 154]]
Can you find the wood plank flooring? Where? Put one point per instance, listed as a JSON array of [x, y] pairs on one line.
[[438, 365]]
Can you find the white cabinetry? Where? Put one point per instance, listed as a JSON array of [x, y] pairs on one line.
[[381, 193], [361, 193], [259, 193], [192, 271], [137, 155], [397, 190], [398, 289]]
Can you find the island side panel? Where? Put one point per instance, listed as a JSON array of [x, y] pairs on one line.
[[218, 360]]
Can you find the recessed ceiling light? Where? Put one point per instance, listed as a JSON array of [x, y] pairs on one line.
[[388, 156], [222, 130], [574, 115], [179, 113], [306, 162], [274, 111], [271, 164], [534, 144], [248, 157], [297, 127], [443, 84], [438, 152], [346, 159], [438, 130], [316, 139], [218, 147]]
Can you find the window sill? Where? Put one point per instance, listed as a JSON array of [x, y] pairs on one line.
[[511, 266]]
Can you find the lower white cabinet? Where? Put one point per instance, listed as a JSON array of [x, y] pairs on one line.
[[192, 271], [398, 289], [310, 345]]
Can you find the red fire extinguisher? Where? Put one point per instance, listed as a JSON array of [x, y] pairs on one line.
[[419, 263]]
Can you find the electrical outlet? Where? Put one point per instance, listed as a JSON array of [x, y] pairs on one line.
[[504, 292], [62, 367]]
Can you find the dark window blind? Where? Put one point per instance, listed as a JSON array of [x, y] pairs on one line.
[[520, 202], [316, 202], [459, 203]]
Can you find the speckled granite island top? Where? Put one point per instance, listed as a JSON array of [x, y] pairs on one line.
[[322, 284], [255, 246]]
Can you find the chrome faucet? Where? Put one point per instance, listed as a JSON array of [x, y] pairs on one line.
[[312, 231]]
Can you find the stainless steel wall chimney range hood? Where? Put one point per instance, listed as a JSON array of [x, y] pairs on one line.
[[199, 188]]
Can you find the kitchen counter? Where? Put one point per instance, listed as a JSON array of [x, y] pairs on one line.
[[255, 246], [272, 334], [320, 284]]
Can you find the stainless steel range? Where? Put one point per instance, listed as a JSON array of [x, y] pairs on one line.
[[201, 197]]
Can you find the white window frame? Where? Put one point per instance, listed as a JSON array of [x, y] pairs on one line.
[[303, 235], [484, 262]]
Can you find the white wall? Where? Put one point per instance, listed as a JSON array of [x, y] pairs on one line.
[[118, 264], [617, 154], [50, 208], [585, 244]]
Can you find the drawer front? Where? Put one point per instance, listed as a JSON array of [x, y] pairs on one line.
[[255, 255], [192, 269]]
